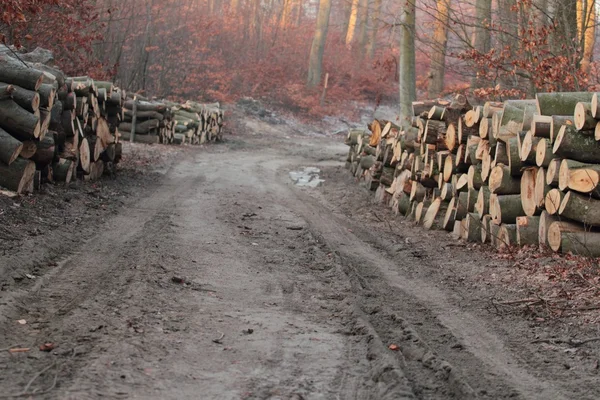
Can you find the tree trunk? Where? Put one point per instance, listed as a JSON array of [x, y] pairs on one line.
[[374, 29], [589, 35], [352, 23], [438, 57], [315, 61], [407, 68], [481, 34]]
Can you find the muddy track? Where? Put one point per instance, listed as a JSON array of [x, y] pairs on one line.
[[226, 281]]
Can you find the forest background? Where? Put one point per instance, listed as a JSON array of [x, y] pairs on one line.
[[281, 51]]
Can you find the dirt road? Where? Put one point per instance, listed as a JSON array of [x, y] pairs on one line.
[[224, 280]]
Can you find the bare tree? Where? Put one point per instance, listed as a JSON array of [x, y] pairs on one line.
[[407, 69], [438, 56], [315, 61]]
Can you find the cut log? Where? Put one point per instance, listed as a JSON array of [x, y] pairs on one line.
[[417, 192], [474, 177], [490, 107], [6, 91], [95, 147], [553, 200], [449, 167], [544, 153], [473, 228], [485, 128], [505, 209], [462, 205], [29, 149], [552, 172], [501, 155], [558, 121], [560, 103], [583, 117], [545, 221], [582, 177], [84, 156], [580, 208], [573, 238], [434, 217], [529, 147], [63, 170], [511, 122], [483, 201], [494, 232], [10, 148], [501, 182], [450, 216], [146, 106], [507, 236], [47, 95], [528, 182], [27, 99], [528, 230], [144, 127], [18, 122], [541, 126], [541, 189], [45, 152], [436, 113], [576, 145], [27, 78], [486, 221], [19, 175], [514, 156], [486, 167]]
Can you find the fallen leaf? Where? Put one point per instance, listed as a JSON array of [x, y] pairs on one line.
[[47, 347], [22, 321], [394, 347]]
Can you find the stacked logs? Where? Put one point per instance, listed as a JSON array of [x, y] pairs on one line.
[[55, 128], [521, 172], [52, 128]]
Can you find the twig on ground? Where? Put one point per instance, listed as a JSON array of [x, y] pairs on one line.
[[26, 392]]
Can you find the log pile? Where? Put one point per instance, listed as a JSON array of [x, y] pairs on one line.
[[55, 128], [521, 172]]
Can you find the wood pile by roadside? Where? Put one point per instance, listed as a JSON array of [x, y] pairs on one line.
[[55, 128], [513, 173]]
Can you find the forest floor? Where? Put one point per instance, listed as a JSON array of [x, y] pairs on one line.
[[206, 273]]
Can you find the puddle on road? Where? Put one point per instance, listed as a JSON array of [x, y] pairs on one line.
[[308, 177]]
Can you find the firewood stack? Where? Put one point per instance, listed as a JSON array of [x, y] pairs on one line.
[[52, 128], [55, 128], [198, 123], [154, 121], [521, 172]]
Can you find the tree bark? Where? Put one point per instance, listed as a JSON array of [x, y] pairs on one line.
[[438, 52], [315, 61], [407, 68]]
